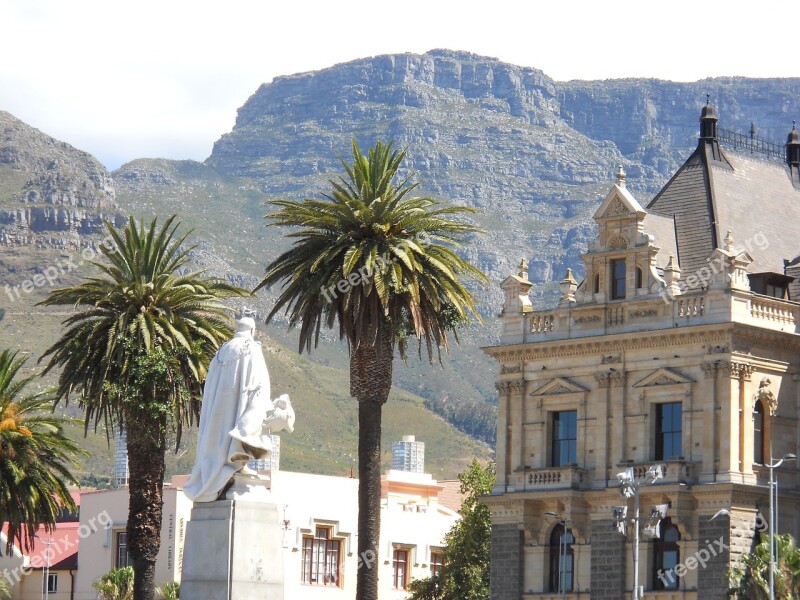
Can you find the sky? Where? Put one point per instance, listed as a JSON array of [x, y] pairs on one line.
[[164, 78]]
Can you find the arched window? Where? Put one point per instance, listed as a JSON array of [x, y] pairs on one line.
[[666, 556], [597, 283], [758, 433], [562, 559], [638, 278]]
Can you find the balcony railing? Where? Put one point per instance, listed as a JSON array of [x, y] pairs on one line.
[[549, 478]]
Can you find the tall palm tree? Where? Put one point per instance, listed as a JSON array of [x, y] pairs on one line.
[[135, 354], [383, 265], [35, 456]]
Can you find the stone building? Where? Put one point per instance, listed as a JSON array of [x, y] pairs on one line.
[[679, 348]]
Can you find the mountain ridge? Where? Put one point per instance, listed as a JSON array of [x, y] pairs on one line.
[[534, 156]]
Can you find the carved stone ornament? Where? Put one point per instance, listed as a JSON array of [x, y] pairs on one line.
[[617, 243], [611, 359], [766, 396], [617, 207], [510, 369]]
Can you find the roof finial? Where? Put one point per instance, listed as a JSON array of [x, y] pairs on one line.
[[621, 177], [729, 242], [523, 268], [708, 99]]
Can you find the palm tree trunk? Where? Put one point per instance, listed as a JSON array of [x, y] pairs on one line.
[[146, 441], [370, 383]]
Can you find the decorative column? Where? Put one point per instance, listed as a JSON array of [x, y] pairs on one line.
[[516, 400], [710, 426], [502, 449], [603, 442]]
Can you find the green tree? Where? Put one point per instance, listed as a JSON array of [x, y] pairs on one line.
[[35, 456], [117, 584], [135, 355], [465, 573], [383, 265], [749, 580], [5, 590]]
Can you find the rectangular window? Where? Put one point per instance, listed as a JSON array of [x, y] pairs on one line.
[[321, 556], [400, 569], [52, 583], [437, 562], [669, 418], [565, 437], [618, 274], [123, 559]]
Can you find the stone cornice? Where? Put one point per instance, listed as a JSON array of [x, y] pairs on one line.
[[611, 344]]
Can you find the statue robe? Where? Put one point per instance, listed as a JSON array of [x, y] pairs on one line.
[[236, 399]]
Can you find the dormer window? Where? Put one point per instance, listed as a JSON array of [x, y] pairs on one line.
[[775, 285], [618, 275]]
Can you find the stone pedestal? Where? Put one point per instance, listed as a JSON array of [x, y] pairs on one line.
[[233, 548]]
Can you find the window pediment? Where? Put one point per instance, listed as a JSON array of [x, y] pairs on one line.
[[559, 385], [661, 377]]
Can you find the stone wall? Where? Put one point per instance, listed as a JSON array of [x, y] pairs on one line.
[[608, 562], [506, 562], [712, 582]]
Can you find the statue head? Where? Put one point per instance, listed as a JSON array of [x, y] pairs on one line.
[[246, 322]]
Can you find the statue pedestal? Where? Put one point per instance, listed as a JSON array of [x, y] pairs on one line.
[[233, 548]]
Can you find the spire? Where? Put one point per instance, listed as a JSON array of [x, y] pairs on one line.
[[621, 177], [708, 121]]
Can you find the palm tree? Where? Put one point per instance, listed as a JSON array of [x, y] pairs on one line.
[[135, 355], [383, 265], [35, 456], [750, 578]]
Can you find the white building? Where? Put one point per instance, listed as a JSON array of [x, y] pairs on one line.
[[319, 518], [408, 455]]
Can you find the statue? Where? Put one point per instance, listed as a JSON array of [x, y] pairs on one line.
[[236, 403]]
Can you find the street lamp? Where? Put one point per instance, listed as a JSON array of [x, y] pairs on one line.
[[562, 555], [629, 488], [46, 573], [771, 466]]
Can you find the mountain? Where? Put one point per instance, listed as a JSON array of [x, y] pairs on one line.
[[534, 156], [50, 193]]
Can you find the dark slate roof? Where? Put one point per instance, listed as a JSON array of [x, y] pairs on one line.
[[715, 192]]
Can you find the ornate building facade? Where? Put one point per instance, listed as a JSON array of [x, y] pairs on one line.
[[679, 348]]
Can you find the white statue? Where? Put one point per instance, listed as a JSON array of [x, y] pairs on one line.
[[236, 402]]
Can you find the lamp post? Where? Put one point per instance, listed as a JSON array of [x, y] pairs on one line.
[[629, 487], [772, 466], [562, 555], [46, 573]]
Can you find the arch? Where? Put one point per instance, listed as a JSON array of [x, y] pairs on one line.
[[666, 557], [562, 559], [758, 433]]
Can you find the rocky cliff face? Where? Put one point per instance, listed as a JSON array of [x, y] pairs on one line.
[[51, 194], [655, 122], [533, 155]]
